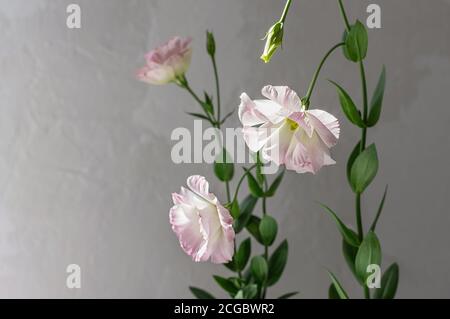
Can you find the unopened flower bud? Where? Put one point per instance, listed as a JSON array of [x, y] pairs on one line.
[[274, 40]]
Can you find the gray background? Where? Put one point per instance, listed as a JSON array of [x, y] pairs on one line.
[[85, 169]]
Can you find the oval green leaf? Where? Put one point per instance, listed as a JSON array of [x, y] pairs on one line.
[[268, 229], [389, 283], [369, 253], [364, 169], [348, 106]]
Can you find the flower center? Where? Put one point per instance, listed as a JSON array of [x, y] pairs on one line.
[[292, 124]]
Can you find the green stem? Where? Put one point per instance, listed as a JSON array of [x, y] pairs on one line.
[[363, 136], [366, 104], [266, 248], [216, 75], [285, 11], [241, 181], [183, 83], [358, 217], [344, 15], [316, 74], [366, 292]]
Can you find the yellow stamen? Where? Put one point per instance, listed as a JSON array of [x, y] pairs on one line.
[[293, 125]]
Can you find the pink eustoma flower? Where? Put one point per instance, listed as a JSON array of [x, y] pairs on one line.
[[167, 62], [286, 133], [203, 226]]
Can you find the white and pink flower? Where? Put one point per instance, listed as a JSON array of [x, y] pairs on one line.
[[203, 226], [167, 62], [286, 133]]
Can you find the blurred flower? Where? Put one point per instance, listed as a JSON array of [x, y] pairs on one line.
[[286, 133], [203, 226], [167, 63], [274, 40]]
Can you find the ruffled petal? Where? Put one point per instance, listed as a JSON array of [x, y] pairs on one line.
[[200, 186], [248, 114], [185, 223], [326, 125], [283, 96], [307, 154], [220, 236]]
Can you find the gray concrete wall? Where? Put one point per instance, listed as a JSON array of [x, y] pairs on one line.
[[85, 169]]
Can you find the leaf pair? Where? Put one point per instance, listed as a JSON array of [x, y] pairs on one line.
[[351, 111], [255, 186]]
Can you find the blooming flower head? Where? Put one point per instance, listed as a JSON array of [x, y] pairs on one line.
[[203, 226], [167, 62], [286, 133]]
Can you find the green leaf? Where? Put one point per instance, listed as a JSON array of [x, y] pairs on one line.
[[344, 48], [288, 295], [351, 160], [332, 292], [259, 175], [250, 291], [243, 254], [349, 235], [364, 169], [198, 115], [226, 284], [268, 229], [369, 253], [225, 118], [380, 209], [239, 295], [377, 100], [235, 212], [349, 253], [277, 263], [200, 293], [338, 287], [273, 188], [208, 105], [224, 167], [348, 106], [389, 283], [247, 206], [253, 185], [253, 228], [357, 42], [259, 268]]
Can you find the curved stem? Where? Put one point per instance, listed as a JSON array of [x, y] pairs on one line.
[[316, 74], [241, 181]]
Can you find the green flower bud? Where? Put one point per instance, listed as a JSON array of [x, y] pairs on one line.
[[274, 40], [210, 43]]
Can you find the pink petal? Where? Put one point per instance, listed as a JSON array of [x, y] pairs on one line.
[[326, 125], [277, 144], [307, 154], [200, 186], [256, 137], [186, 225], [248, 114], [284, 97]]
